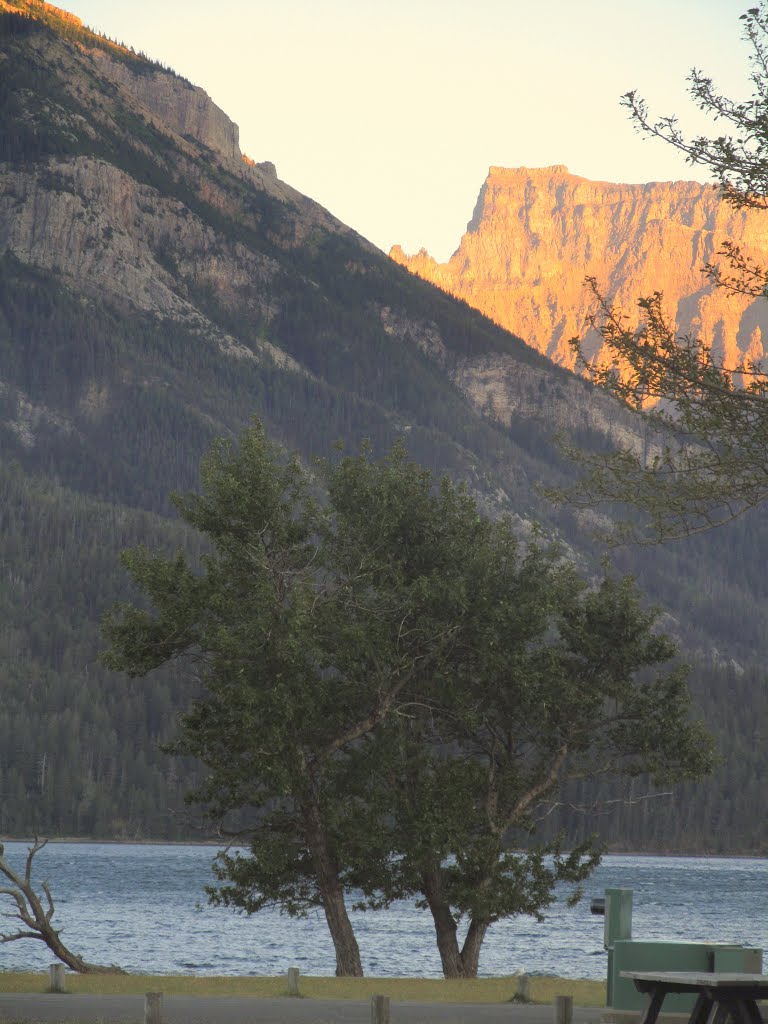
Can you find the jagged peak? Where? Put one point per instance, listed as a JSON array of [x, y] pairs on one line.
[[495, 171], [498, 175], [398, 254]]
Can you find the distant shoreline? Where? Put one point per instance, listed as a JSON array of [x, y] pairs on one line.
[[79, 840]]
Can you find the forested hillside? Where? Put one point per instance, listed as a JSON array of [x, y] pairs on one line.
[[157, 290]]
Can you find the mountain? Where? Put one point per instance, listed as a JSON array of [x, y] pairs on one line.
[[157, 290], [125, 192], [535, 234]]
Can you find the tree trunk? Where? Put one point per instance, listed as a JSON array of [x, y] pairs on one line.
[[73, 961], [470, 951], [445, 924], [457, 963], [348, 961]]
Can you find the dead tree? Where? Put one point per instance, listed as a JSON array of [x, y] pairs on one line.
[[36, 919]]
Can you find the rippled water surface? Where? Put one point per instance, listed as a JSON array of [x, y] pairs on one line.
[[143, 907]]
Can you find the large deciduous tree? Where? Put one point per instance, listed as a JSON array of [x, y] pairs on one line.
[[704, 460], [542, 682], [392, 685], [297, 660]]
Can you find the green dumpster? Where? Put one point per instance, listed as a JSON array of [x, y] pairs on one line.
[[628, 954]]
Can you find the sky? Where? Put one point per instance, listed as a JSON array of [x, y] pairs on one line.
[[390, 112]]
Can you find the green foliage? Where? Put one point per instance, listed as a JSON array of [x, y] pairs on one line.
[[539, 684], [703, 460], [392, 686]]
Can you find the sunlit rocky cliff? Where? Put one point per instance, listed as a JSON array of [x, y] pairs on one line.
[[535, 235]]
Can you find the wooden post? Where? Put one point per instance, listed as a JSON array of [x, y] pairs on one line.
[[379, 1009], [563, 1010], [56, 978], [153, 1007], [524, 988], [293, 981]]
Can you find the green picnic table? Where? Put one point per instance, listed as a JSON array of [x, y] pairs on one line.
[[720, 995]]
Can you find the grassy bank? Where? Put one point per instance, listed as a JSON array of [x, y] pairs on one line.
[[426, 990]]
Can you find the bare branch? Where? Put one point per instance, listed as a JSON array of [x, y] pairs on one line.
[[598, 805], [35, 848], [29, 910], [538, 790]]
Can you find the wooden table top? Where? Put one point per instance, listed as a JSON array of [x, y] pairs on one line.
[[702, 979]]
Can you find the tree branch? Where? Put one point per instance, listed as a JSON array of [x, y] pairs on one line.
[[29, 910]]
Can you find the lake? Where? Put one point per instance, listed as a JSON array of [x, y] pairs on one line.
[[143, 907]]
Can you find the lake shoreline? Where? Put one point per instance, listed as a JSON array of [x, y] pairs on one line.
[[218, 844]]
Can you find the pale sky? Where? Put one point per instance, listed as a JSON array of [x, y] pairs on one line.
[[389, 112]]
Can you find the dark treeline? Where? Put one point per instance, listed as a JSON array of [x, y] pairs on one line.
[[80, 748]]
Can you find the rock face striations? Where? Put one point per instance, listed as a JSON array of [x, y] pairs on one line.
[[107, 181], [536, 234]]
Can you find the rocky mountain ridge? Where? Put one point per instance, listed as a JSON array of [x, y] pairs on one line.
[[176, 104], [122, 209], [535, 234]]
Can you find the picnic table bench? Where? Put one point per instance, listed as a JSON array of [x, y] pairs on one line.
[[720, 995]]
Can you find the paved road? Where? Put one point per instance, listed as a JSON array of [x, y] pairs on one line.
[[220, 1010]]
